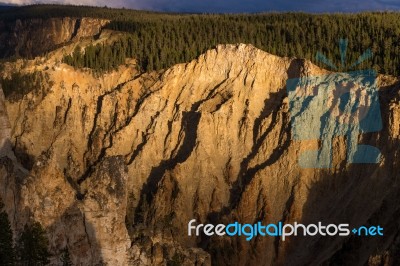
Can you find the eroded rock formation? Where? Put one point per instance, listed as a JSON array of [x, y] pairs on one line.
[[33, 37], [115, 166]]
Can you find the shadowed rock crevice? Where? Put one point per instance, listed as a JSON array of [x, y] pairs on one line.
[[189, 125], [111, 132], [246, 174], [78, 23], [27, 160], [145, 139]]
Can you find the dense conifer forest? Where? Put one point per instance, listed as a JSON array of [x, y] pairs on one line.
[[159, 40]]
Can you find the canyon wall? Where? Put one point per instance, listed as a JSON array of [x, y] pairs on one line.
[[115, 166], [34, 37]]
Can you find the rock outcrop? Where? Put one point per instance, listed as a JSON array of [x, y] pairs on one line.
[[33, 37], [115, 166]]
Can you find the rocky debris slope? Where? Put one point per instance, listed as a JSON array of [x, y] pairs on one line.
[[115, 166]]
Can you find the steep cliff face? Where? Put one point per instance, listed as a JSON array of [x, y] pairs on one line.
[[33, 37], [115, 167]]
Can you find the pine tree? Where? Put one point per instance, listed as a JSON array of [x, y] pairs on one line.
[[7, 254], [33, 246]]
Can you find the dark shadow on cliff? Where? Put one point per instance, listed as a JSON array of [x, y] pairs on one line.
[[24, 158], [190, 122], [84, 244], [359, 195]]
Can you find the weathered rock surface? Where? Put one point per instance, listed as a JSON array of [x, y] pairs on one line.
[[33, 37], [115, 166]]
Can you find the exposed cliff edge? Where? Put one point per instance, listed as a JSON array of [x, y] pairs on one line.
[[32, 37], [115, 166]]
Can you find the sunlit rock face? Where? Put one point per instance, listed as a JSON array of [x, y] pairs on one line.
[[115, 166]]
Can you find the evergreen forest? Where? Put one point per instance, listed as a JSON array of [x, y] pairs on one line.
[[160, 40]]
